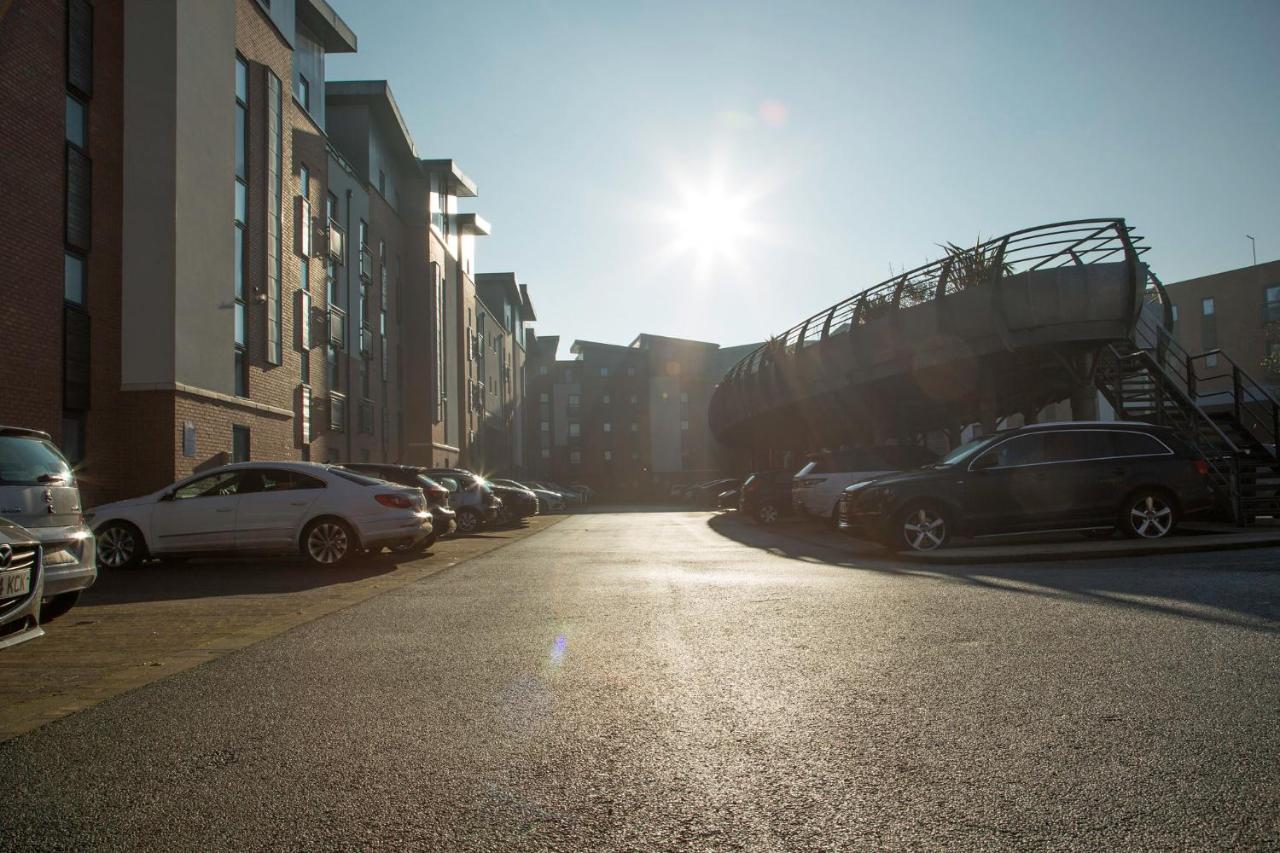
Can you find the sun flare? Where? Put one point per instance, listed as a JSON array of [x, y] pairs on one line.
[[711, 220]]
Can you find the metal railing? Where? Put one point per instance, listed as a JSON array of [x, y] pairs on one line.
[[1061, 244]]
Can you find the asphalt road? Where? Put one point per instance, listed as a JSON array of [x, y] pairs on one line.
[[644, 680]]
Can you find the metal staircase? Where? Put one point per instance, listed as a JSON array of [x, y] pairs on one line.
[[1209, 400]]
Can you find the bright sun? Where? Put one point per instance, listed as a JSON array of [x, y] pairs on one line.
[[712, 222]]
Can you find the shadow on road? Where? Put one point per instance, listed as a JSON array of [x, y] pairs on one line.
[[196, 578], [1230, 588]]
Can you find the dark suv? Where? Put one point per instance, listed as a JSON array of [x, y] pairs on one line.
[[1068, 476]]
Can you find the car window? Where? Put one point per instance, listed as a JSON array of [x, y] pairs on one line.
[[26, 461], [449, 483], [810, 467], [276, 480], [1138, 444], [1021, 450], [215, 485], [424, 482]]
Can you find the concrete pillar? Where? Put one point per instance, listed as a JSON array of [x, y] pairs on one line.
[[1084, 403]]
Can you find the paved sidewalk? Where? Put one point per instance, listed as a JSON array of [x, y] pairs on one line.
[[136, 627]]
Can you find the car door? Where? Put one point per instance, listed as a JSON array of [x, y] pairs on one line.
[[199, 515], [272, 508], [1003, 490]]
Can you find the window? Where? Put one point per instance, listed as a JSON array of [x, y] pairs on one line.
[[275, 222], [634, 399], [1271, 305], [240, 224], [608, 427], [546, 426], [684, 426], [1206, 306], [1022, 450], [604, 371], [546, 453], [382, 182], [1077, 445], [635, 427], [239, 444], [1138, 444], [73, 279], [215, 485], [684, 396], [544, 398], [574, 401], [77, 122], [575, 430], [605, 399], [608, 456], [1211, 360], [666, 396], [304, 93], [575, 457], [631, 371], [1175, 313]]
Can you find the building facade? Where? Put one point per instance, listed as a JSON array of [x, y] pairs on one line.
[[629, 421], [257, 265]]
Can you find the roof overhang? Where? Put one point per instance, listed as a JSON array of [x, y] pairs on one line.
[[462, 185], [473, 223], [318, 17], [527, 303], [376, 96]]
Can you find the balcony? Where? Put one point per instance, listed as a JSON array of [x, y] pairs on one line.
[[337, 412], [338, 328], [337, 242]]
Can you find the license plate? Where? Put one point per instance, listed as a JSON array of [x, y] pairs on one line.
[[15, 583]]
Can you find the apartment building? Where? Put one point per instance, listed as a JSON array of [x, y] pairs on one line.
[[257, 265], [1237, 311], [503, 312], [629, 421]]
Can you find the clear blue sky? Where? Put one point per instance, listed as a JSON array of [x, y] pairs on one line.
[[865, 133]]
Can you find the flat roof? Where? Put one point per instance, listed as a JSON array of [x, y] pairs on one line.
[[334, 34], [462, 185], [473, 222]]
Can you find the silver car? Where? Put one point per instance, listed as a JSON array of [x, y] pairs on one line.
[[38, 491], [21, 584]]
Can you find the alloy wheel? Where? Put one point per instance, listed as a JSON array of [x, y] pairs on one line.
[[924, 529], [467, 522], [768, 514], [1151, 517], [116, 546], [328, 543]]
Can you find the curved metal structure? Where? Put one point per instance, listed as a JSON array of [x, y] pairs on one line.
[[1005, 326]]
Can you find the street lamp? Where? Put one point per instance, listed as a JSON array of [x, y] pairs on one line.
[[1255, 249]]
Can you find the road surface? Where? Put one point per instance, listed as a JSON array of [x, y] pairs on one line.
[[665, 680]]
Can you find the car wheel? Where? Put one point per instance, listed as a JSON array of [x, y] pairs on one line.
[[57, 605], [120, 546], [328, 542], [767, 514], [921, 528], [468, 520], [1148, 514]]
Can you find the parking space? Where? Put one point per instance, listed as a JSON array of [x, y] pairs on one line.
[[138, 626]]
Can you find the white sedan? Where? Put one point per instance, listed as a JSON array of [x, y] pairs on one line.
[[325, 512]]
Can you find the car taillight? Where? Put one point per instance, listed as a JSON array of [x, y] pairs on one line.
[[1202, 467], [394, 501]]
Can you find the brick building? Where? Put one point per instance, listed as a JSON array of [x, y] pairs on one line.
[[258, 264], [629, 421]]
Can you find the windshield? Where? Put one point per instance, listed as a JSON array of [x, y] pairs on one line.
[[965, 451], [31, 462]]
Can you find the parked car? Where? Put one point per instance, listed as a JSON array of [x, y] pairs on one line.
[[728, 499], [38, 491], [443, 519], [766, 496], [470, 496], [816, 488], [1071, 476], [327, 513], [21, 584], [547, 499], [570, 495], [705, 494], [518, 503], [587, 493]]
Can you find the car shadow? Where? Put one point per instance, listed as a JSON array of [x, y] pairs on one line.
[[1228, 593], [217, 577]]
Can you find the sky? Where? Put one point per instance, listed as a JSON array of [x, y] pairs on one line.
[[721, 170]]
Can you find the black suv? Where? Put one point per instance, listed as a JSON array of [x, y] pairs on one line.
[[766, 496], [1068, 476]]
